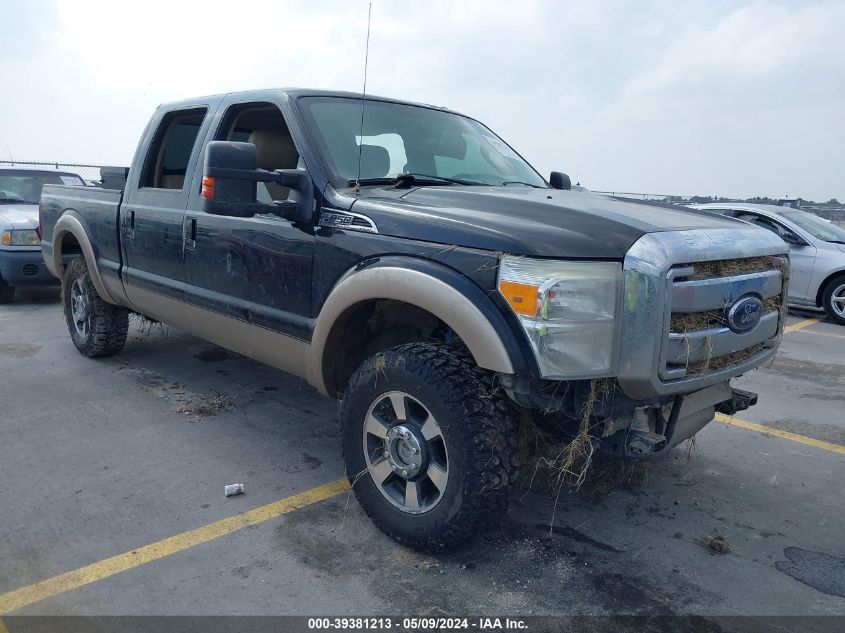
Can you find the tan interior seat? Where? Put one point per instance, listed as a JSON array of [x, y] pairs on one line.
[[174, 181], [275, 150]]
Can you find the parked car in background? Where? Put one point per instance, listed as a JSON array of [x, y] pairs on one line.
[[21, 263], [816, 252]]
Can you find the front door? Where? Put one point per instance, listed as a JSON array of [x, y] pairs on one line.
[[256, 269]]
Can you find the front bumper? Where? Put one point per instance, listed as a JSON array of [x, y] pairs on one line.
[[23, 268]]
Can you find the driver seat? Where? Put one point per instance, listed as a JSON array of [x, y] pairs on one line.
[[275, 150]]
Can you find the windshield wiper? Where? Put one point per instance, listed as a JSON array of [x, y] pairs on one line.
[[408, 180], [520, 182], [836, 241], [15, 201]]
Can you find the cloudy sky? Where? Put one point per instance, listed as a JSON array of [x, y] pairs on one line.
[[712, 97]]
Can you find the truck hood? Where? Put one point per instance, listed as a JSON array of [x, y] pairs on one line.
[[526, 221], [18, 216]]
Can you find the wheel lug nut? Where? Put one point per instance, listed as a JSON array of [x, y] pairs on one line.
[[415, 451]]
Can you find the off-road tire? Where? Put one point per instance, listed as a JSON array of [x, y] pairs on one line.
[[108, 323], [7, 292], [479, 429], [827, 299]]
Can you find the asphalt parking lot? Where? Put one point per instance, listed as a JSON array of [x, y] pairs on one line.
[[112, 497]]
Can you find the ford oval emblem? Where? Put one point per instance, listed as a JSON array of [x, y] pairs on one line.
[[745, 314]]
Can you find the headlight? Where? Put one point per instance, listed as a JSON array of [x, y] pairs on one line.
[[568, 311], [23, 237]]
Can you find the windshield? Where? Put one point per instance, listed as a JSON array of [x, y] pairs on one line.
[[815, 226], [403, 139], [24, 187]]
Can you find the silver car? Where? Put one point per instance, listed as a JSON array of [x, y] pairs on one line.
[[21, 263], [816, 252]]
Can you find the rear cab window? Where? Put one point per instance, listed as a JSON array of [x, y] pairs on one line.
[[166, 164]]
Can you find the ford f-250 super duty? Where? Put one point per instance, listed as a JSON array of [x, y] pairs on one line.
[[405, 259]]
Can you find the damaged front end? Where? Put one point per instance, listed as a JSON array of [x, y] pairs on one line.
[[618, 425], [696, 309]]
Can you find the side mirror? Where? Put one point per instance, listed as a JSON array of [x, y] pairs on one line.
[[229, 176], [559, 180]]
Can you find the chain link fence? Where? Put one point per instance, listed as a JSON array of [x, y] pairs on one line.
[[89, 173]]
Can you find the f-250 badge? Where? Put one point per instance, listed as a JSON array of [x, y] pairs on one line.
[[335, 219]]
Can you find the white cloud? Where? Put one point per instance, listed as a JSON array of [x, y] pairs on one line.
[[698, 97]]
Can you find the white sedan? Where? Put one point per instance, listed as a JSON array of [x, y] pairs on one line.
[[816, 252]]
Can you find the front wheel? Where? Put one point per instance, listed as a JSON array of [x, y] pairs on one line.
[[97, 328], [833, 299], [430, 445]]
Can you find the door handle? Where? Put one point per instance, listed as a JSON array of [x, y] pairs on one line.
[[129, 225], [191, 233]]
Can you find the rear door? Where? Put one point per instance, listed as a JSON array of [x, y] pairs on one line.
[[154, 208], [255, 269]]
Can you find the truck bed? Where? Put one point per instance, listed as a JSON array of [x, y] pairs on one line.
[[98, 210]]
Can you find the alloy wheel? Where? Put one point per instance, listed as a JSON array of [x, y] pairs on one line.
[[405, 452]]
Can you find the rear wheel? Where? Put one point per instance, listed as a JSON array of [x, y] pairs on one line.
[[7, 292], [833, 299], [97, 328], [430, 445]]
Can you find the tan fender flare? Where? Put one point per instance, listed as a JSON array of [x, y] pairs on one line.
[[70, 224], [416, 288]]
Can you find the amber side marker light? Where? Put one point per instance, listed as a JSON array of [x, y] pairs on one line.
[[208, 187], [521, 297]]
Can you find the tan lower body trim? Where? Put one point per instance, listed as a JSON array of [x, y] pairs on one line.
[[277, 350]]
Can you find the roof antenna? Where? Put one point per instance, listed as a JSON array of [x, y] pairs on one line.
[[357, 188]]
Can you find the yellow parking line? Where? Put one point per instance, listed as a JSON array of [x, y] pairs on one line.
[[800, 325], [823, 334], [786, 435], [38, 591], [3, 628]]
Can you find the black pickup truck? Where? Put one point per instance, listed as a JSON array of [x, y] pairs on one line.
[[405, 259]]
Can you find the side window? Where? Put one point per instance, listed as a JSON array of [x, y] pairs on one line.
[[170, 151], [263, 125], [762, 222]]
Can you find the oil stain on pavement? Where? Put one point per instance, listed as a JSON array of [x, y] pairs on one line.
[[822, 572]]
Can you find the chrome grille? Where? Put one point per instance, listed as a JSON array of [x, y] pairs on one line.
[[698, 338]]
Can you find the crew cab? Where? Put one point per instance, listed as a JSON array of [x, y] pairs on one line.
[[21, 263], [405, 259]]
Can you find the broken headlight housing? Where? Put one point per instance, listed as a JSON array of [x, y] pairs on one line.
[[568, 311]]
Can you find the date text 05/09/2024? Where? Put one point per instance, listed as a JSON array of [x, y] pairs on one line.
[[416, 624]]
